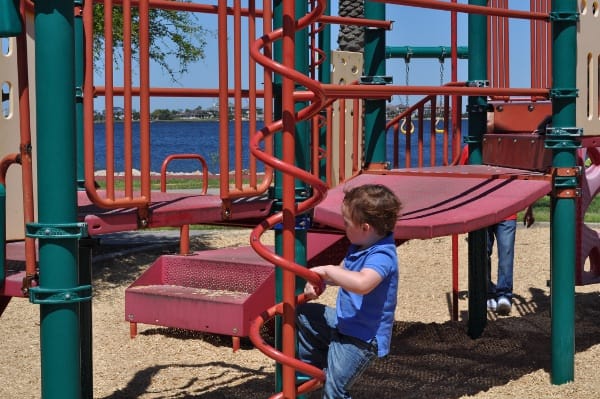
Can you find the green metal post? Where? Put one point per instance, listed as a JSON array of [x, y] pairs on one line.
[[325, 77], [85, 246], [374, 151], [277, 106], [10, 20], [302, 150], [276, 192], [562, 138], [302, 132], [58, 293], [477, 110], [85, 323], [79, 70], [302, 155]]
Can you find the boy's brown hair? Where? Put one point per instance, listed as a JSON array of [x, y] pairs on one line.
[[374, 204]]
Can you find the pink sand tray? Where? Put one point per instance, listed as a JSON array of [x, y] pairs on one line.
[[217, 291]]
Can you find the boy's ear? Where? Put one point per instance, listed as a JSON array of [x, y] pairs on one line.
[[366, 226]]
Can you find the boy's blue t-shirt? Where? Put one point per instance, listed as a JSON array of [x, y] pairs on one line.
[[371, 315]]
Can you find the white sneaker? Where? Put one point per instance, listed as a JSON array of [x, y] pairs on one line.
[[491, 304], [504, 305]]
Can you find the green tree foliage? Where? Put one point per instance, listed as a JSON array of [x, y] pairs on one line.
[[162, 114], [173, 34]]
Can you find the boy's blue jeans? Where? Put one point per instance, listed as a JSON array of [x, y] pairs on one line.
[[504, 233], [342, 357]]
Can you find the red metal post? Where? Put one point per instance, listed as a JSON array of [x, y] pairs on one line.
[[25, 152], [237, 99], [145, 100], [455, 277], [127, 83], [342, 141], [108, 99]]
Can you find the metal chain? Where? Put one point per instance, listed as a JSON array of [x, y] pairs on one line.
[[440, 103], [406, 63]]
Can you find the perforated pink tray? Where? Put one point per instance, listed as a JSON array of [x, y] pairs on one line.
[[218, 291]]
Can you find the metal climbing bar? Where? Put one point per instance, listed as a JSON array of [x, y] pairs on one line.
[[541, 40], [245, 183], [468, 8], [498, 49], [405, 127]]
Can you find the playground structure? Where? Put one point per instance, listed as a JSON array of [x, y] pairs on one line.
[[310, 154]]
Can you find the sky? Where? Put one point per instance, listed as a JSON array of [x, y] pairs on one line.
[[412, 27]]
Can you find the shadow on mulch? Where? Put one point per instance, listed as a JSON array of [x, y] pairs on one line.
[[427, 360], [253, 381], [441, 361], [434, 360]]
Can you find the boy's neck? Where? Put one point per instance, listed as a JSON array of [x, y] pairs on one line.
[[374, 238]]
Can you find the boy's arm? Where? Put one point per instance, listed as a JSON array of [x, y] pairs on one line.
[[361, 282]]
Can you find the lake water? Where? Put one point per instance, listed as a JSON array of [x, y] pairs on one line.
[[199, 138]]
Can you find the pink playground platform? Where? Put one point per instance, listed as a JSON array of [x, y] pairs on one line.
[[194, 292], [218, 291], [170, 209], [445, 200]]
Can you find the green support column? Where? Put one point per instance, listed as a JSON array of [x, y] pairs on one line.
[[374, 149], [57, 232], [477, 109], [324, 77], [302, 135], [562, 138], [85, 322], [10, 20], [302, 154], [86, 245], [79, 71], [276, 191]]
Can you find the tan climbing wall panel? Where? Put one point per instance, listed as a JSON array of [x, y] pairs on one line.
[[588, 55], [10, 128], [347, 67]]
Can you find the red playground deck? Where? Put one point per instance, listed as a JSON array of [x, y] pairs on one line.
[[441, 201], [170, 210]]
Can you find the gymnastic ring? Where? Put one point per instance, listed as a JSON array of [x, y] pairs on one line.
[[437, 122], [403, 127]]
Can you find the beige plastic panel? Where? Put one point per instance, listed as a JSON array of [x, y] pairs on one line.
[[347, 67], [588, 53], [10, 130]]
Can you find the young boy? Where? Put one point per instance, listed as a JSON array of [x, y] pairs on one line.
[[344, 340]]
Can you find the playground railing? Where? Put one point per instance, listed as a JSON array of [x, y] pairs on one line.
[[414, 139], [137, 88]]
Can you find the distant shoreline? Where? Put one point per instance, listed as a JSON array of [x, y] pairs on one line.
[[162, 120], [101, 174], [176, 120]]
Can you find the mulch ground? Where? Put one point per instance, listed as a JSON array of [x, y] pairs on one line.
[[432, 356]]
